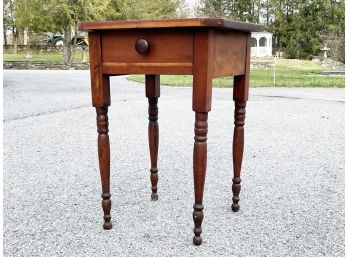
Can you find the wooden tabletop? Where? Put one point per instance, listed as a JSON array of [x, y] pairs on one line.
[[170, 23]]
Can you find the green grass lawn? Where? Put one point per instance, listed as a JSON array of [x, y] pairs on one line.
[[289, 73], [44, 57]]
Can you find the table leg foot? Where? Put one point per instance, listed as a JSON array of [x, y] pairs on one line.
[[238, 146], [154, 180], [198, 216], [236, 190], [197, 240], [106, 203], [199, 169]]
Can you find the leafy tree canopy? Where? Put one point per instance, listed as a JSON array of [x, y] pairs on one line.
[[300, 27]]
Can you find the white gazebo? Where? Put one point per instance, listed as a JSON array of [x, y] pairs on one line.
[[261, 44]]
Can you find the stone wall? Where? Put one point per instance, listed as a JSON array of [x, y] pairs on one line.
[[36, 65], [329, 64], [28, 65], [262, 63], [34, 49]]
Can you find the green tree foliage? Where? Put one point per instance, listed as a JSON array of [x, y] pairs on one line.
[[300, 27], [334, 30], [9, 17], [247, 10], [8, 14], [58, 16], [63, 16], [136, 9], [297, 27], [143, 9]]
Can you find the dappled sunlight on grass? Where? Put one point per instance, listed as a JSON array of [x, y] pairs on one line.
[[298, 64]]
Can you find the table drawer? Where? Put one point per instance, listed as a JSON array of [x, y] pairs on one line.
[[165, 48]]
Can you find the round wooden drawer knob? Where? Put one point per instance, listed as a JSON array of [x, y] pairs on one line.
[[142, 46]]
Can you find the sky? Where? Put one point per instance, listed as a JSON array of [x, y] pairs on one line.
[[191, 3]]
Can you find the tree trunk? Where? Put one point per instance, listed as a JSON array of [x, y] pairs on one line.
[[73, 50], [267, 12], [15, 35], [67, 45], [26, 35], [84, 56], [5, 37]]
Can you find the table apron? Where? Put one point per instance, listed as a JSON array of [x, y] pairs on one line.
[[114, 68]]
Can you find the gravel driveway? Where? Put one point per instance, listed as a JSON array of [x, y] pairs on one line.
[[292, 198]]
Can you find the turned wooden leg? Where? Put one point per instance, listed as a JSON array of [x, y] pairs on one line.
[[201, 105], [199, 168], [153, 134], [100, 85], [152, 85], [238, 146], [240, 97], [104, 162]]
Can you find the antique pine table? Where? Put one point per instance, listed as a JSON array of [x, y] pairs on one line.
[[205, 48]]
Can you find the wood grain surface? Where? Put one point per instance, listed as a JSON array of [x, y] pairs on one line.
[[170, 23]]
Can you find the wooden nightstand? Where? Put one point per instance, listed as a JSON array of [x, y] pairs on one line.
[[205, 48]]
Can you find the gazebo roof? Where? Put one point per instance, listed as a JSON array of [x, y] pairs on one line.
[[263, 33]]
